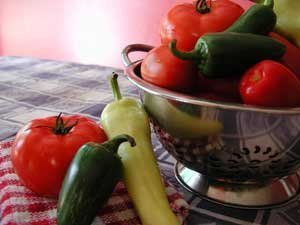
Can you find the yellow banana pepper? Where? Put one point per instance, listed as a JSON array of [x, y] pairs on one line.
[[288, 19], [141, 173]]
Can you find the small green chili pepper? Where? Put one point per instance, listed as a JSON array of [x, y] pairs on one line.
[[258, 19], [288, 20], [229, 53], [90, 180]]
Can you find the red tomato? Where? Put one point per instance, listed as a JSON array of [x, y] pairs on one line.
[[41, 155], [271, 84], [162, 68], [186, 24], [291, 57]]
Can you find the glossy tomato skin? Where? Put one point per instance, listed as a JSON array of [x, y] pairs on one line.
[[162, 68], [270, 84], [185, 24], [41, 158]]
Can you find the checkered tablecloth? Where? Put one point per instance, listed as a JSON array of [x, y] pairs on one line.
[[31, 88], [20, 206]]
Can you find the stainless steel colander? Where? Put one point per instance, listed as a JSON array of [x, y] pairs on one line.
[[235, 154]]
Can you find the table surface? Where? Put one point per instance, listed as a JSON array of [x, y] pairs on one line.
[[31, 88]]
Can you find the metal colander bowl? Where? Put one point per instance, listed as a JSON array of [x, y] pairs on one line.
[[227, 142]]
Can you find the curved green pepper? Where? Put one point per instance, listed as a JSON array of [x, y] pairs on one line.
[[90, 180], [288, 19], [141, 173], [229, 53], [258, 19]]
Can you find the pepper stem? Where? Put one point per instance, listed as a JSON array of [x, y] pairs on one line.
[[191, 55], [115, 86], [202, 6], [113, 144], [269, 3]]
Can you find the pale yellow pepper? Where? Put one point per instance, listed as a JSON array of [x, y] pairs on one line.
[[140, 170], [288, 19]]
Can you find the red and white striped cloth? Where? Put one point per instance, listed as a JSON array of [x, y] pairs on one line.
[[20, 206]]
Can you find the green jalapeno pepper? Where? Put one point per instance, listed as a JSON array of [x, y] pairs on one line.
[[288, 22], [229, 53], [90, 180], [258, 19]]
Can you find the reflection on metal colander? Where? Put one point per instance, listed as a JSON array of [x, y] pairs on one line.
[[248, 150], [230, 143]]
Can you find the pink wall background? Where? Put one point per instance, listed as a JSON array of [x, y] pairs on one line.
[[90, 31]]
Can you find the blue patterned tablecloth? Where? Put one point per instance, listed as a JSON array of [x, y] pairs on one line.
[[31, 88]]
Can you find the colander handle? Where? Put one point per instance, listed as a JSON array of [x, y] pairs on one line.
[[133, 48]]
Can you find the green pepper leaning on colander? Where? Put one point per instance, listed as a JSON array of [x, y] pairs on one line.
[[141, 174]]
